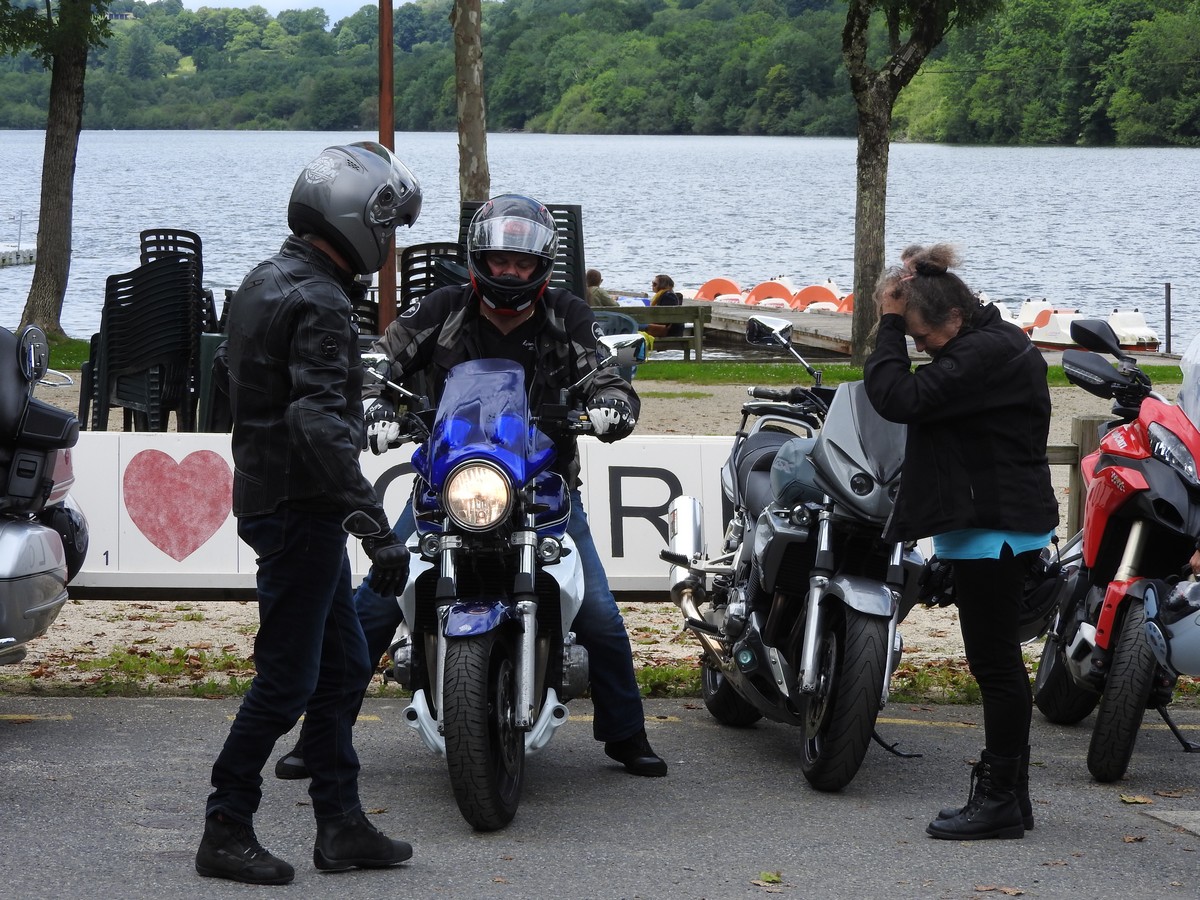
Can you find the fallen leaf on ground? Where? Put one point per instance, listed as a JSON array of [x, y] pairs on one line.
[[1134, 838], [1135, 798]]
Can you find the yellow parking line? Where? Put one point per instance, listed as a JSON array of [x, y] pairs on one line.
[[22, 718]]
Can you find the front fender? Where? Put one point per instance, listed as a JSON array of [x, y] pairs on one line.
[[868, 596], [478, 617]]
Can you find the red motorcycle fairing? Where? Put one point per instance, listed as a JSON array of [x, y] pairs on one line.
[[1114, 597]]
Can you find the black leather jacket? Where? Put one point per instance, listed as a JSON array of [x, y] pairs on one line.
[[295, 383], [978, 416], [442, 330]]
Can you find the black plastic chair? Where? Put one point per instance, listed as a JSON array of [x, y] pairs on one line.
[[570, 272], [143, 358], [159, 242]]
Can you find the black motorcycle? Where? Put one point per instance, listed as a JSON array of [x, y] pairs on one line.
[[798, 611]]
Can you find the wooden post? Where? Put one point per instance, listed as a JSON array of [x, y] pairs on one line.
[[1167, 289], [387, 137], [1085, 435]]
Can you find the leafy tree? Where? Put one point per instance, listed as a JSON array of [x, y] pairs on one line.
[[913, 29], [62, 46]]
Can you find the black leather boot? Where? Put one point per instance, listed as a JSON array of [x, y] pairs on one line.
[[230, 850], [635, 754], [1022, 792], [291, 765], [992, 810], [353, 842]]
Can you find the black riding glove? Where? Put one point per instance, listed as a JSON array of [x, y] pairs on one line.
[[389, 556]]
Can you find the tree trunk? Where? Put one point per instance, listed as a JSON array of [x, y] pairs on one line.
[[870, 213], [43, 307], [474, 177]]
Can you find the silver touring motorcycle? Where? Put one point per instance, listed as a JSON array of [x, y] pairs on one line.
[[797, 610], [43, 534]]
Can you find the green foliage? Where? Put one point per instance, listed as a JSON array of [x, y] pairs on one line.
[[1033, 72]]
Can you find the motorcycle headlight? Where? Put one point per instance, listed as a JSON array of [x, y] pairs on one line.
[[1165, 445], [477, 496]]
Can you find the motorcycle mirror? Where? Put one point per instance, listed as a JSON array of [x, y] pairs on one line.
[[621, 349], [33, 353], [1097, 335], [768, 331]]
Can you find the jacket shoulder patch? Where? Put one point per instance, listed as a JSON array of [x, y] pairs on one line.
[[329, 347]]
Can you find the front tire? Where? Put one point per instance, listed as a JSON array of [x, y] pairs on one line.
[[1055, 692], [839, 718], [1126, 692], [485, 750], [722, 699]]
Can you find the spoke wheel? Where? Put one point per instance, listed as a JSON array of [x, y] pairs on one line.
[[485, 751]]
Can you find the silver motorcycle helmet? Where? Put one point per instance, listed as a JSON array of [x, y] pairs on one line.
[[511, 223], [1173, 626], [354, 196]]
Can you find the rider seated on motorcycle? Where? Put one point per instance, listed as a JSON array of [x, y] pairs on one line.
[[508, 311]]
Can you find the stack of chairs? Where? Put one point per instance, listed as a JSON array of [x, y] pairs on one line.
[[143, 359]]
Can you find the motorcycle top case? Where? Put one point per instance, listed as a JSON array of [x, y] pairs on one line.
[[858, 454]]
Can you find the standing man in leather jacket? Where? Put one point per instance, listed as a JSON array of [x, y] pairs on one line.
[[508, 311], [295, 379]]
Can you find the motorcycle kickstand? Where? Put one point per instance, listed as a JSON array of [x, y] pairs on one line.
[[1188, 746], [891, 748]]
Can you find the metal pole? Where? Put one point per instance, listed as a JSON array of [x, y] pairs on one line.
[[1167, 287], [387, 137]]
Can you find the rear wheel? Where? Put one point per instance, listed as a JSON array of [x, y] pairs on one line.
[[722, 700], [839, 718], [1055, 692], [485, 750], [1126, 691]]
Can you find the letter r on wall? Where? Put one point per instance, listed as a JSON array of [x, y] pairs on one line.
[[619, 512]]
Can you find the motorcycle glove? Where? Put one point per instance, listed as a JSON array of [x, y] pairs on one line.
[[383, 431], [612, 419], [388, 555]]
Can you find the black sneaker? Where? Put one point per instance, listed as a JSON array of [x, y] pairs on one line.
[[353, 842], [635, 755], [230, 850], [291, 765]]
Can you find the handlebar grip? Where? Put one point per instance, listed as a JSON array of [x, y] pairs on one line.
[[780, 395]]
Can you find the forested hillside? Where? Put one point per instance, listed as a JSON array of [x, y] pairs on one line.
[[1038, 72]]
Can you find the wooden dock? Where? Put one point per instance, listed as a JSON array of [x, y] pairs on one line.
[[828, 332]]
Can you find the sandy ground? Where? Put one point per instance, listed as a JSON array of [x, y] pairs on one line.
[[200, 631]]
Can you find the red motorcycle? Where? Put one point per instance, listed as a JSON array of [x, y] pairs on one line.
[[1141, 521]]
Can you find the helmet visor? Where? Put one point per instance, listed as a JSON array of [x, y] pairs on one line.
[[512, 233]]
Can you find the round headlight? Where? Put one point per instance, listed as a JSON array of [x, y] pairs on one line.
[[477, 496]]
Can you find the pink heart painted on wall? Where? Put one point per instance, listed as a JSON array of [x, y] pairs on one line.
[[178, 506]]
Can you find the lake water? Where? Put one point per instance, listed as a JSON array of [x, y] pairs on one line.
[[1093, 229]]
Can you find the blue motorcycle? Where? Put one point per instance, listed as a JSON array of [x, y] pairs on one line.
[[486, 644]]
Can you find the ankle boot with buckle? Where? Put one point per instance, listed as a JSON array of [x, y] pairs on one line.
[[351, 841], [229, 849], [1022, 792], [992, 810]]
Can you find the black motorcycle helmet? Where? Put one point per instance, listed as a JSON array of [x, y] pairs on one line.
[[354, 196], [515, 224]]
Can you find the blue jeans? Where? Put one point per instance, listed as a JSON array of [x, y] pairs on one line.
[[310, 653], [598, 626]]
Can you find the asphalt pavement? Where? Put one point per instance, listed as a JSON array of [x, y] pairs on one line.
[[105, 798]]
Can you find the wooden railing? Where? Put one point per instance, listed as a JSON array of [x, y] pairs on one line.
[[696, 316]]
